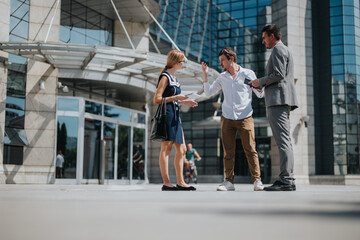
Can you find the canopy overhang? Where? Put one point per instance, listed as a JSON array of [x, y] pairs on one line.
[[113, 64]]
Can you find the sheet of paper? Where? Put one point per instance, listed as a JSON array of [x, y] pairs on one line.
[[192, 96]]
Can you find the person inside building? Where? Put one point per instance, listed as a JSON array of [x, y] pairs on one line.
[[168, 87], [236, 115], [59, 164], [138, 159]]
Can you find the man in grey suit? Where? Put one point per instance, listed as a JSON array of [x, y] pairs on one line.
[[280, 99]]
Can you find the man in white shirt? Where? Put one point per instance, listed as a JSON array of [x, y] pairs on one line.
[[236, 115], [59, 164]]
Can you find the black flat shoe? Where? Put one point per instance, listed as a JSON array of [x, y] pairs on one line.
[[166, 188], [190, 188], [279, 186]]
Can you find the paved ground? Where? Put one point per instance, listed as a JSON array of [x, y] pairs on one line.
[[144, 212]]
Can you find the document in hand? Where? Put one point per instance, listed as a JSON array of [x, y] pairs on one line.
[[192, 96]]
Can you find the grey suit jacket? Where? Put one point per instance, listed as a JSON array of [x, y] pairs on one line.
[[279, 80]]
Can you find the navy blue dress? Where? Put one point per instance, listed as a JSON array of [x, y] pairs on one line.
[[173, 121]]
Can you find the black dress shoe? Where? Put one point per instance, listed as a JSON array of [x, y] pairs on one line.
[[280, 186], [190, 188], [166, 188]]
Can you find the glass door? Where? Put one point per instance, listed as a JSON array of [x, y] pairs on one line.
[[123, 152], [138, 159], [67, 140], [109, 138], [92, 140]]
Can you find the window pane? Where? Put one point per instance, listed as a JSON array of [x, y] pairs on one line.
[[109, 138], [67, 138], [13, 155], [93, 107], [123, 152], [117, 113], [68, 104], [139, 153]]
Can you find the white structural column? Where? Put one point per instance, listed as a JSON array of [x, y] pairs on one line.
[[40, 108]]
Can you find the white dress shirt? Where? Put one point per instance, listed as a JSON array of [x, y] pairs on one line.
[[237, 95]]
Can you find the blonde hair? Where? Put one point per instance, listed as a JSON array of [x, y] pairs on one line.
[[173, 57]]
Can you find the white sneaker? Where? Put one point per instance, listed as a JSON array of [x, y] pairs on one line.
[[258, 186], [226, 186]]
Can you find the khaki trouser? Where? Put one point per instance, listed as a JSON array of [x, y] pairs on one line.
[[247, 134]]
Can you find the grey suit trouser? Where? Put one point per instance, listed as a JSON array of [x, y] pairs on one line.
[[280, 125]]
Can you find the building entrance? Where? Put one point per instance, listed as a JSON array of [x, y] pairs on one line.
[[101, 142]]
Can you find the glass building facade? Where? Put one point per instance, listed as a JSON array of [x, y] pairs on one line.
[[202, 28], [82, 25], [15, 139], [336, 36]]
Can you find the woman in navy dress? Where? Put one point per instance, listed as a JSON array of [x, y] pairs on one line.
[[169, 88]]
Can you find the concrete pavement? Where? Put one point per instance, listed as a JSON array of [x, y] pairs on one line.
[[144, 212]]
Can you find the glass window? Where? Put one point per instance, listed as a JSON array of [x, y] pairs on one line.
[[335, 11], [68, 104], [139, 118], [67, 138], [337, 59], [348, 10], [252, 12], [337, 50], [335, 21], [349, 39], [83, 25], [349, 20], [13, 155], [139, 154], [118, 113], [349, 29], [334, 3], [109, 138], [123, 152], [337, 30], [250, 3], [93, 107], [15, 110], [92, 141]]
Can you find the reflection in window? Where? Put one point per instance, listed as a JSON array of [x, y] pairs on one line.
[[13, 155], [80, 24], [109, 138], [139, 153], [118, 113], [68, 104], [15, 110], [92, 139], [139, 118], [123, 152], [93, 107], [19, 20], [67, 138]]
